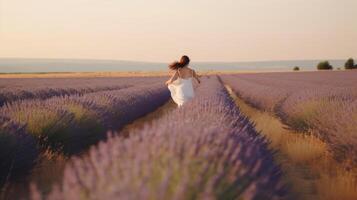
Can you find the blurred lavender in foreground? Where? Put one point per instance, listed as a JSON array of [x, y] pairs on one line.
[[204, 150]]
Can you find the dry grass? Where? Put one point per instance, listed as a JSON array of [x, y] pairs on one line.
[[307, 164], [340, 186], [304, 148]]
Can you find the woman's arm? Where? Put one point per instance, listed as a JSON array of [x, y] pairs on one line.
[[172, 79], [196, 76]]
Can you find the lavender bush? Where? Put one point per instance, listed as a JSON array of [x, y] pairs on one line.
[[204, 150]]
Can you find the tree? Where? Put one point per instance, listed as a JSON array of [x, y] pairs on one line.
[[324, 65], [350, 64], [296, 68]]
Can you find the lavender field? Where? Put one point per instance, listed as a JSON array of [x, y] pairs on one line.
[[208, 149]]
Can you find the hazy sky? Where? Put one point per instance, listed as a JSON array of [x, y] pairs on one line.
[[163, 30]]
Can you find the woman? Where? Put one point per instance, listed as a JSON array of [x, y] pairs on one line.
[[180, 83]]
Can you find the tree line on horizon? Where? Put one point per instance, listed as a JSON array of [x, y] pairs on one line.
[[325, 65]]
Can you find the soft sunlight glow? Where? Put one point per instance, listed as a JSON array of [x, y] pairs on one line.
[[162, 30]]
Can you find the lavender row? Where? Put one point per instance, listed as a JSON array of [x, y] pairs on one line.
[[18, 150], [258, 95], [326, 110], [72, 123], [204, 150], [42, 83], [59, 120], [331, 114], [42, 88]]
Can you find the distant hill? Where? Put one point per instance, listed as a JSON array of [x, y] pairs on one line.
[[22, 65]]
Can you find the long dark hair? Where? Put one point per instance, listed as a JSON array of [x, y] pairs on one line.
[[184, 61]]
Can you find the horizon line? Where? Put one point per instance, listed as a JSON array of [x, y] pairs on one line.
[[162, 62]]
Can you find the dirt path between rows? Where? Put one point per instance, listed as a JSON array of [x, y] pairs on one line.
[[50, 167], [308, 166], [149, 118]]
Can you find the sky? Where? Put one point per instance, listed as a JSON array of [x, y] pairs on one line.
[[163, 30]]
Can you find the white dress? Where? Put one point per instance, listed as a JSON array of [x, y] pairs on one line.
[[181, 90]]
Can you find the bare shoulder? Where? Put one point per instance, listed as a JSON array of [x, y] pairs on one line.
[[192, 70]]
